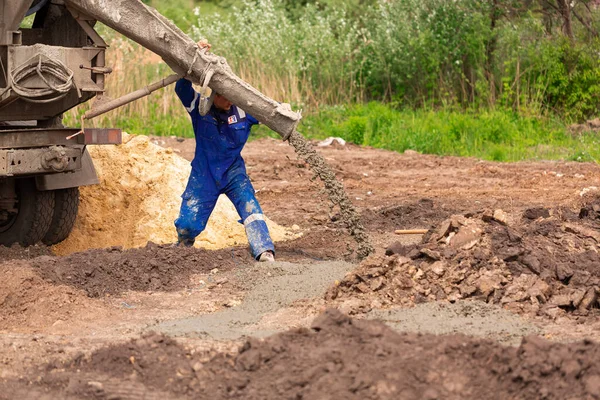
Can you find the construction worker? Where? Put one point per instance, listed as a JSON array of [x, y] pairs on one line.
[[221, 130]]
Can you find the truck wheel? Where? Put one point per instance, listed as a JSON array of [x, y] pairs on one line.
[[66, 204], [32, 220]]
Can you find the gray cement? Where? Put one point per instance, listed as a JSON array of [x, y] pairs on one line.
[[474, 318], [271, 287], [335, 191]]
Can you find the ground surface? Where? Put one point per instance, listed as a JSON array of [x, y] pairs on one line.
[[80, 326]]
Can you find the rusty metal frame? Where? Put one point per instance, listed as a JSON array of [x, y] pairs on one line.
[[25, 138], [12, 13], [17, 162]]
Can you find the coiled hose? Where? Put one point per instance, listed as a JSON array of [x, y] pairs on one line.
[[49, 67]]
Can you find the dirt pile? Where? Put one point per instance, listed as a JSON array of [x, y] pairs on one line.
[[16, 252], [139, 198], [338, 358], [29, 302], [415, 215], [543, 263], [154, 267]]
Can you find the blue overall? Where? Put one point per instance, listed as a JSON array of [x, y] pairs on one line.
[[218, 168]]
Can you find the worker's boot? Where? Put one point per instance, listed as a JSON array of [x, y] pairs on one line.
[[266, 256], [184, 242]]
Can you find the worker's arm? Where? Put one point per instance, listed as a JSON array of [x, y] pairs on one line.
[[187, 94], [184, 89], [251, 120]]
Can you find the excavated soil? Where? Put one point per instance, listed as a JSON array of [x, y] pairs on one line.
[[494, 276], [338, 358], [152, 268], [544, 261], [416, 215], [319, 245], [17, 252], [27, 301]]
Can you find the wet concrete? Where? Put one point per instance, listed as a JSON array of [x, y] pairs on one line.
[[271, 287], [473, 318], [335, 191]]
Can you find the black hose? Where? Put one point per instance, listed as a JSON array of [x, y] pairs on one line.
[[36, 7]]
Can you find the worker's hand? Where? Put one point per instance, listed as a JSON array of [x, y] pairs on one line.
[[286, 106], [203, 44]]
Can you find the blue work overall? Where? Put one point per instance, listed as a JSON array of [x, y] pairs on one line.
[[218, 168]]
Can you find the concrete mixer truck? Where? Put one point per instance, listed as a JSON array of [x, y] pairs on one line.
[[58, 63]]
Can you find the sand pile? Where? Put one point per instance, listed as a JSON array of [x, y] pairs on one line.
[[139, 198], [339, 358], [544, 262]]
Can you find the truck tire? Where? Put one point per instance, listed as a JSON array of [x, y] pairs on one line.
[[66, 204], [31, 223]]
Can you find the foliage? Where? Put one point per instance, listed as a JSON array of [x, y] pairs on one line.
[[500, 135], [180, 11], [415, 53], [306, 61]]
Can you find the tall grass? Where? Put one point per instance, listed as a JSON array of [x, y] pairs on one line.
[[500, 135], [411, 53], [308, 61]]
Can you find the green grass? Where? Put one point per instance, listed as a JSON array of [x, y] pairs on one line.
[[489, 135]]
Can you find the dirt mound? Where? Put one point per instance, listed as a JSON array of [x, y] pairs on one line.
[[421, 214], [16, 252], [339, 358], [139, 198], [154, 267], [27, 301], [543, 265]]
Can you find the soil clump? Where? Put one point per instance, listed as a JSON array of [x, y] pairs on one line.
[[545, 266], [337, 358], [335, 191], [152, 268]]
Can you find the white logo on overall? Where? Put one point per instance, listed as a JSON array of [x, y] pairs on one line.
[[232, 119]]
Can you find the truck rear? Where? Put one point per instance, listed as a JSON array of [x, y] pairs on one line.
[[45, 70]]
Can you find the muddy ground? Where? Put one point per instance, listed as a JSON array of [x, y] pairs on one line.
[[511, 253]]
